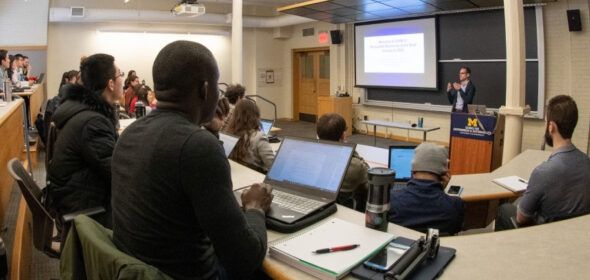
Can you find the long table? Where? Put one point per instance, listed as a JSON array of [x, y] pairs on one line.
[[482, 196], [376, 123], [36, 97], [555, 250], [11, 135]]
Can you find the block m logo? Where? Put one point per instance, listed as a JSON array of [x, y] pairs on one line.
[[471, 122]]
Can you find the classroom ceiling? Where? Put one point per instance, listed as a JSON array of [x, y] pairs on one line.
[[345, 11], [264, 8]]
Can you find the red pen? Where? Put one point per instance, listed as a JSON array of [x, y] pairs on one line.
[[335, 249]]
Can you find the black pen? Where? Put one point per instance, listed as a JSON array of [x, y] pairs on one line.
[[335, 249], [523, 181]]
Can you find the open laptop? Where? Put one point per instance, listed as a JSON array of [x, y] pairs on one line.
[[229, 142], [477, 109], [400, 160], [266, 126], [306, 176]]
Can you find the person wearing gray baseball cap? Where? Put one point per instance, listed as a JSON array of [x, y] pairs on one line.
[[423, 204]]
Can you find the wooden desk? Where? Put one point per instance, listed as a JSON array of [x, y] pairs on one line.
[[11, 132], [36, 96], [482, 196], [376, 123], [550, 251]]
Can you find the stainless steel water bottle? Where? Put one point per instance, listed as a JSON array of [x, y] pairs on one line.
[[380, 182]]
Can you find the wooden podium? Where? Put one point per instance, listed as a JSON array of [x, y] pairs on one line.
[[476, 143], [339, 105]]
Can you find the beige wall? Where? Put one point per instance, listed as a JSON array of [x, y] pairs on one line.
[[23, 23], [131, 47], [277, 54]]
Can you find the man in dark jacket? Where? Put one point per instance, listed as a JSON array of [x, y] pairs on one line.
[[461, 94], [173, 205], [79, 175], [423, 203]]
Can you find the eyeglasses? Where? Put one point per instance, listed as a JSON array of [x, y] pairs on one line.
[[463, 73], [122, 74]]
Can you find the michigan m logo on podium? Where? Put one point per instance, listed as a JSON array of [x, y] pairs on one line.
[[472, 122]]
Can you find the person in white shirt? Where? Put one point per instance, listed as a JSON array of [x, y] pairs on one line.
[[461, 94]]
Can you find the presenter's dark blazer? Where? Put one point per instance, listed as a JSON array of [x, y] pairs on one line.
[[467, 96]]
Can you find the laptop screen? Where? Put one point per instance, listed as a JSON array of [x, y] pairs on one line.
[[229, 142], [316, 165], [400, 160], [265, 126]]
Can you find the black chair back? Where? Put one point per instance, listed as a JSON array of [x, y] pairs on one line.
[[51, 137], [42, 222]]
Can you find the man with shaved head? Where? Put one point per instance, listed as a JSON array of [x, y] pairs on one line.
[[173, 205]]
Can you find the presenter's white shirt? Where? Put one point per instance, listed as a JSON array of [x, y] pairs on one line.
[[459, 104]]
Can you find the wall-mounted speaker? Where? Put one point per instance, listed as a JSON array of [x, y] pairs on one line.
[[574, 22], [336, 36]]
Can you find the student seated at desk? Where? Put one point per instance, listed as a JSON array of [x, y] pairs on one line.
[[79, 175], [560, 187], [4, 65], [173, 204], [221, 113], [141, 93], [234, 94], [353, 193], [423, 204], [253, 148]]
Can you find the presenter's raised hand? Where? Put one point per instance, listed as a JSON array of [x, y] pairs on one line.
[[258, 196], [457, 86], [449, 86]]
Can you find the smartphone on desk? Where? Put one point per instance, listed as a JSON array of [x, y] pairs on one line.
[[386, 257], [455, 190]]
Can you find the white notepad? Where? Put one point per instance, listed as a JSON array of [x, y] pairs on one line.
[[513, 183], [296, 250]]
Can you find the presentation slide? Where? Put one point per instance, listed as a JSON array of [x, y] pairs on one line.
[[396, 54]]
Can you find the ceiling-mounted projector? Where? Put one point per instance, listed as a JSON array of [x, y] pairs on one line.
[[188, 9]]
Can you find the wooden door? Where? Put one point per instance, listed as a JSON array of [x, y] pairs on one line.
[[311, 79]]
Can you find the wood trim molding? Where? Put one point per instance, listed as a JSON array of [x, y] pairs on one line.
[[326, 48], [24, 48]]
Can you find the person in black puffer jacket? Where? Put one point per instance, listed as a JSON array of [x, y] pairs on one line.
[[79, 175]]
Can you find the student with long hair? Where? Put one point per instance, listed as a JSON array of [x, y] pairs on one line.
[[141, 93], [253, 148]]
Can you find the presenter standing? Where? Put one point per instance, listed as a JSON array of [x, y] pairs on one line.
[[460, 94]]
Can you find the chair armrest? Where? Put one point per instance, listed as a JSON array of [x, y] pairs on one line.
[[67, 218]]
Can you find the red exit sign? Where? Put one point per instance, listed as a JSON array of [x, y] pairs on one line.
[[324, 37]]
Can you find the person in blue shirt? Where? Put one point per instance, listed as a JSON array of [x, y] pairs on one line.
[[423, 204]]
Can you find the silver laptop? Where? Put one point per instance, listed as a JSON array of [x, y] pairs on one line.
[[306, 176], [266, 126], [229, 142]]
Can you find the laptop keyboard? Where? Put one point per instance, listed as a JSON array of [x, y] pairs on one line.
[[295, 203]]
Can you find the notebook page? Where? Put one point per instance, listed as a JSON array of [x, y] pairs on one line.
[[333, 233]]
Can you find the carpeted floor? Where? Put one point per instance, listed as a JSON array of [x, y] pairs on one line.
[[308, 130]]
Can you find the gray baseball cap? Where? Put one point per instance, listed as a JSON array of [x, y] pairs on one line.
[[432, 158]]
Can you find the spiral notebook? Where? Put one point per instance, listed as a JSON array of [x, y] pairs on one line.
[[296, 250]]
